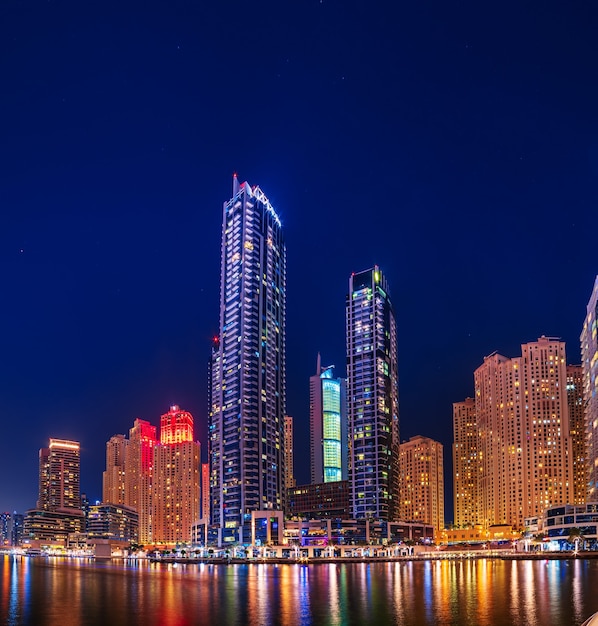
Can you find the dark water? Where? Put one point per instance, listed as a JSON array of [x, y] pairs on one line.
[[58, 592]]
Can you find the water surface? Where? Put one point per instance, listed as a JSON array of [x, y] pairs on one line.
[[41, 591]]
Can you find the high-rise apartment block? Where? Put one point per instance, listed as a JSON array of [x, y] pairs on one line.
[[159, 480], [372, 392], [422, 482], [246, 424], [589, 363], [114, 477], [175, 483], [58, 511], [328, 425], [577, 432], [466, 464], [5, 529], [60, 476], [289, 480], [138, 475], [524, 433]]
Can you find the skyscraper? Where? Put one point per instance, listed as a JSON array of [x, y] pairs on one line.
[[114, 478], [466, 464], [589, 363], [372, 392], [246, 426], [139, 471], [175, 483], [523, 421], [58, 510], [60, 477], [5, 524], [328, 425], [289, 480], [577, 432], [422, 482]]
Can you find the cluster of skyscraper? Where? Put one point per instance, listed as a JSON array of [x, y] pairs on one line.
[[527, 440], [354, 423]]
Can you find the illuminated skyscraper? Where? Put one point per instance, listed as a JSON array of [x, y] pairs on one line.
[[138, 475], [60, 477], [372, 392], [205, 491], [114, 478], [328, 426], [175, 483], [589, 363], [523, 421], [58, 510], [288, 452], [5, 523], [577, 432], [422, 482], [246, 427], [466, 464]]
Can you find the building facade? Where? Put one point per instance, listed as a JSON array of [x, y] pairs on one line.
[[246, 422], [114, 477], [589, 363], [320, 500], [58, 511], [175, 482], [328, 425], [113, 522], [139, 464], [421, 482], [289, 464], [523, 422], [577, 432], [466, 464], [372, 392], [205, 491], [60, 476]]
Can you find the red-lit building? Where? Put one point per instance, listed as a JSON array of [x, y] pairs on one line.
[[176, 481]]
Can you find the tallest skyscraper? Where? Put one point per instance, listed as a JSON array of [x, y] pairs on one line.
[[247, 394]]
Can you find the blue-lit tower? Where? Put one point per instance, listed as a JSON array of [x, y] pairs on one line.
[[328, 425], [247, 399], [372, 394]]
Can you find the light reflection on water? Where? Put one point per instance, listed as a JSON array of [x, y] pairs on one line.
[[56, 592]]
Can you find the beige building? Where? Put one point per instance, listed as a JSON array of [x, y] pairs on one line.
[[577, 432], [466, 464], [176, 482], [524, 434], [421, 480], [114, 477], [60, 476], [138, 475]]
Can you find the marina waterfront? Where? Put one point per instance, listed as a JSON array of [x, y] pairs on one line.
[[48, 591]]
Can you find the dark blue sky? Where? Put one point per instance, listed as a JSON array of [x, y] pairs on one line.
[[454, 144]]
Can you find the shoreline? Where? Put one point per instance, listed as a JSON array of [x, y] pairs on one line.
[[452, 556], [427, 556]]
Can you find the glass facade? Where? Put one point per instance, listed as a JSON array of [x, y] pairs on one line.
[[328, 425], [372, 393], [246, 424]]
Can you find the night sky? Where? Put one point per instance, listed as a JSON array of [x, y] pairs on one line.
[[453, 144]]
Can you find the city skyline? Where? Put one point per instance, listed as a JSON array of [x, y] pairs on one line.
[[461, 161]]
